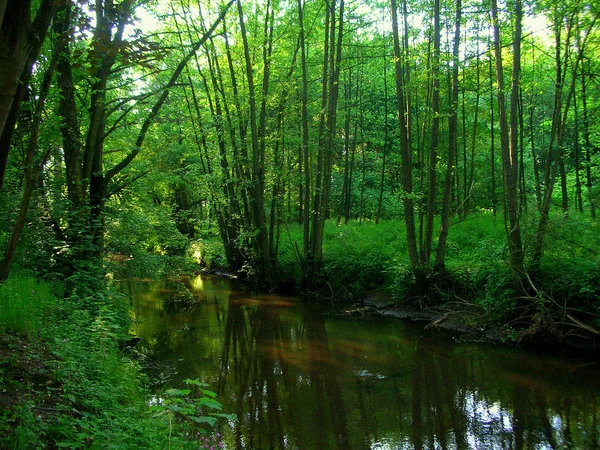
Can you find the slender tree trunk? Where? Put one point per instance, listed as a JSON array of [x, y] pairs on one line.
[[328, 46], [564, 193], [588, 143], [405, 147], [509, 137], [305, 136], [353, 145], [433, 143], [342, 211], [330, 128], [577, 155], [522, 185], [385, 139], [257, 199], [440, 257], [536, 165], [493, 193], [475, 129]]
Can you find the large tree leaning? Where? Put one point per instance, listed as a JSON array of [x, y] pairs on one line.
[[20, 42], [87, 184]]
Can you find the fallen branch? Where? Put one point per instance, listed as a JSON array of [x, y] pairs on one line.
[[583, 326]]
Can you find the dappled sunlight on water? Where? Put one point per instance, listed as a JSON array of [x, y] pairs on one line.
[[301, 376]]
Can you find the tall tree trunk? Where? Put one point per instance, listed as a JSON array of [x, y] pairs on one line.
[[467, 201], [493, 193], [328, 50], [321, 212], [342, 211], [509, 137], [384, 151], [257, 199], [440, 257], [434, 139], [305, 136], [577, 155], [522, 185], [587, 141], [405, 147]]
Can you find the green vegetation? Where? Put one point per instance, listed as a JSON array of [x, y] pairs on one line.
[[65, 383], [24, 302], [444, 153], [359, 259]]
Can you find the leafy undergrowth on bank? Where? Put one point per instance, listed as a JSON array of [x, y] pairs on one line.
[[555, 302], [64, 382], [357, 257]]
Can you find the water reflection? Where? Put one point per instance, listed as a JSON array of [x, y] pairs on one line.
[[299, 377]]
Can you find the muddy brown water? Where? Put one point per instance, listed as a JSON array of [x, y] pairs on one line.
[[304, 376]]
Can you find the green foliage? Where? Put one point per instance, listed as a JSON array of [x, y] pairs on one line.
[[208, 252], [23, 303], [72, 387], [191, 413], [356, 257]]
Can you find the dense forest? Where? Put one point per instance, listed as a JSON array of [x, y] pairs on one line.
[[441, 152], [123, 136]]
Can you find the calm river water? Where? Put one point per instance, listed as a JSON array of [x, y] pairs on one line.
[[302, 376]]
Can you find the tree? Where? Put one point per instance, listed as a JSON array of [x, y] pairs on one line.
[[508, 136]]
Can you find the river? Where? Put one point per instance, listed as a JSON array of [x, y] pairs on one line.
[[305, 376]]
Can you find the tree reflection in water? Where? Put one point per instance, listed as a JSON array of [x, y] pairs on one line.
[[299, 377]]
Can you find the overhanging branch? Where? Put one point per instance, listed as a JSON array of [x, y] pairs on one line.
[[163, 97]]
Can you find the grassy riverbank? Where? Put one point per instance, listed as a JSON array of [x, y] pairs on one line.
[[561, 296], [65, 381]]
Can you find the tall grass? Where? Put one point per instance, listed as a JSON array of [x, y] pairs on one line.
[[23, 303]]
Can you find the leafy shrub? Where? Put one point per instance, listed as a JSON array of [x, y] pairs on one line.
[[191, 412], [572, 282]]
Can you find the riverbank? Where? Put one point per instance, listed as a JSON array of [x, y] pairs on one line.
[[469, 323], [67, 379]]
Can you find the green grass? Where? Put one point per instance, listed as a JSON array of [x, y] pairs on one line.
[[23, 301]]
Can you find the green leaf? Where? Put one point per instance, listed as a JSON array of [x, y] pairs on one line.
[[204, 419], [195, 382], [231, 417], [210, 403], [208, 393], [177, 392]]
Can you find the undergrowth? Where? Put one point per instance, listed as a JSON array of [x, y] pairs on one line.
[[65, 383], [359, 259]]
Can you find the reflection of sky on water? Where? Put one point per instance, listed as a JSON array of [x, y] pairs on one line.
[[302, 377]]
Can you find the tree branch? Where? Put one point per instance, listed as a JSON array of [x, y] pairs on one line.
[[161, 100]]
